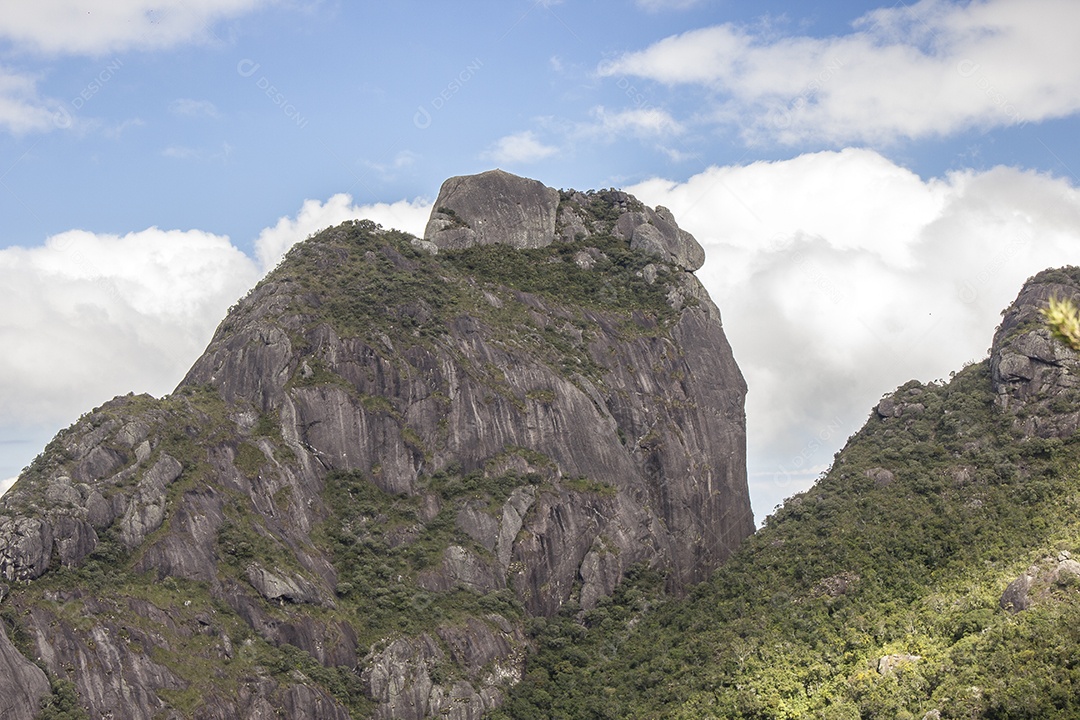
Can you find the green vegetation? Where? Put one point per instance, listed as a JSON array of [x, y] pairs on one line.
[[865, 565], [380, 546], [372, 284], [368, 279], [62, 703], [592, 487]]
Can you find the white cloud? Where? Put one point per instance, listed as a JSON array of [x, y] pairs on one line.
[[61, 28], [521, 147], [22, 110], [926, 69], [87, 316], [841, 275], [6, 484], [187, 107], [638, 121], [57, 27]]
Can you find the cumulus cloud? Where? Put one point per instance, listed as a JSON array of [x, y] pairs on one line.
[[841, 275], [5, 484], [521, 147], [56, 27], [87, 316], [907, 71]]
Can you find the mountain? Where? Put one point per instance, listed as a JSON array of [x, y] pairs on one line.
[[933, 572], [395, 456]]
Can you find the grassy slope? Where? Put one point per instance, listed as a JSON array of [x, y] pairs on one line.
[[849, 572]]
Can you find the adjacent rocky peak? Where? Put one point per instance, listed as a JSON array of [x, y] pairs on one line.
[[1037, 378], [498, 207]]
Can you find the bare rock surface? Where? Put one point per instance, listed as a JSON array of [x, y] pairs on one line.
[[1040, 581], [1037, 379], [22, 684], [493, 207], [498, 207]]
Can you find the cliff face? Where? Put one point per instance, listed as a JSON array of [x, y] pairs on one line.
[[1037, 379], [393, 451]]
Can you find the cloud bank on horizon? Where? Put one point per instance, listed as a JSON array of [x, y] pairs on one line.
[[842, 266]]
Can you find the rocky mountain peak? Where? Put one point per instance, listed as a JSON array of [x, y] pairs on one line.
[[498, 207], [1036, 378], [383, 464]]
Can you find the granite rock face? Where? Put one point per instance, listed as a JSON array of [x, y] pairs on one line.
[[497, 207], [385, 460], [1036, 378], [493, 207], [21, 683]]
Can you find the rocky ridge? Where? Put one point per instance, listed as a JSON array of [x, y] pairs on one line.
[[392, 453]]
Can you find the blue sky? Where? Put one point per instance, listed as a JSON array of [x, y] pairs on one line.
[[872, 182]]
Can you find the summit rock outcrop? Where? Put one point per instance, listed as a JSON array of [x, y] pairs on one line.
[[497, 207], [384, 462], [493, 207]]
